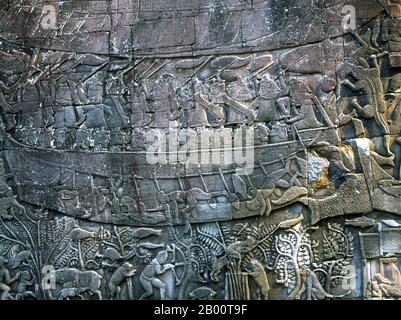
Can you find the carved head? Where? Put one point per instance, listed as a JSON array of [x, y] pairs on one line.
[[255, 264], [162, 197], [395, 8], [328, 83], [304, 271], [250, 240], [25, 275], [128, 266], [59, 137], [268, 88], [164, 84], [217, 87], [162, 257]]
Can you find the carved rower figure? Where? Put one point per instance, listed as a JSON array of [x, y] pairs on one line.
[[272, 103], [370, 83], [8, 200], [162, 101], [197, 108], [389, 287], [5, 279], [185, 201], [391, 33], [233, 97]]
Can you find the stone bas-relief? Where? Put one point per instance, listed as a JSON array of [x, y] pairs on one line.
[[85, 215]]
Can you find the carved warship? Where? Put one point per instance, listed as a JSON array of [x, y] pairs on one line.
[[209, 187]]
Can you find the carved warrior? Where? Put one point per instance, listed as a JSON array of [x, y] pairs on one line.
[[6, 279], [85, 215]]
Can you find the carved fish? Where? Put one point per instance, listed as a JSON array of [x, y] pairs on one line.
[[291, 222], [392, 223], [189, 63], [81, 234], [93, 60], [231, 62], [362, 222], [230, 75], [146, 232], [290, 195], [149, 245], [114, 255]]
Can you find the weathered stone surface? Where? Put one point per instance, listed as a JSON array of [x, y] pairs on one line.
[[200, 149]]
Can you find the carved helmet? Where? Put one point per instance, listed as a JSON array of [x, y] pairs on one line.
[[268, 88]]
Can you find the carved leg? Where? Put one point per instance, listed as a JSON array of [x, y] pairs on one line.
[[118, 291], [385, 289], [147, 286], [98, 293], [284, 106], [359, 128], [344, 119], [387, 146], [354, 87], [366, 112], [157, 283], [383, 160], [112, 289], [6, 290]]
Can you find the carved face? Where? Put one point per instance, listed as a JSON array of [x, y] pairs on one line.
[[163, 86], [217, 88], [268, 88], [59, 137], [250, 241], [162, 257], [255, 264], [128, 266], [328, 84], [162, 197]]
